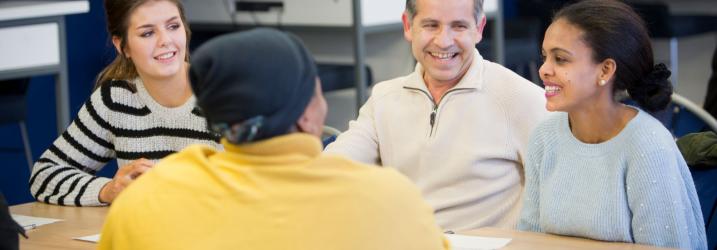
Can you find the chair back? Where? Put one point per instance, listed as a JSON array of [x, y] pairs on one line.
[[12, 100], [687, 117], [329, 135]]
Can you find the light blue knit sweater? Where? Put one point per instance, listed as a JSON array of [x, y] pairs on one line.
[[635, 187]]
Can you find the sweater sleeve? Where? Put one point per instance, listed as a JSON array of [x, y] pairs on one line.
[[65, 173], [663, 200], [530, 215], [360, 141]]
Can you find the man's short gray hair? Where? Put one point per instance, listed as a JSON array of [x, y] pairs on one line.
[[477, 9]]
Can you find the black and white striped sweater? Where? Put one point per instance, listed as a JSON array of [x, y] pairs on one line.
[[116, 122]]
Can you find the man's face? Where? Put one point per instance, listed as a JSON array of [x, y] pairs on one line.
[[443, 35]]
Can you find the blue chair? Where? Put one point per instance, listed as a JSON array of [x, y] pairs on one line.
[[12, 101], [706, 187], [684, 117], [328, 135], [687, 117]]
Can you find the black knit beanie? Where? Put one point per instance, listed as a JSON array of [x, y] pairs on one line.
[[252, 85]]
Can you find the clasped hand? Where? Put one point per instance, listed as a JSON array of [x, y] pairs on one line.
[[124, 177]]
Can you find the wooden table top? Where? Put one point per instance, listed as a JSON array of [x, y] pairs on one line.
[[76, 222], [85, 221]]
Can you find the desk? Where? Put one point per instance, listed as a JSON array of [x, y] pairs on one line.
[[537, 241], [33, 43], [84, 221], [77, 222]]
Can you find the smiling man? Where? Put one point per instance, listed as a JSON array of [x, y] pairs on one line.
[[457, 126]]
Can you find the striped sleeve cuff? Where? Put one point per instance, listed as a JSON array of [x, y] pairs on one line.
[[91, 197]]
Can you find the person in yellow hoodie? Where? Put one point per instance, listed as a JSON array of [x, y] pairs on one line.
[[271, 188]]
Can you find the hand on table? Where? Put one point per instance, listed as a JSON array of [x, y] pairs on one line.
[[124, 177]]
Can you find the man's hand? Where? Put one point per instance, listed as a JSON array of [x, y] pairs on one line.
[[125, 175]]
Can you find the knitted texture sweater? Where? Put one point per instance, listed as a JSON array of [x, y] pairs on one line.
[[464, 153], [634, 187], [118, 121]]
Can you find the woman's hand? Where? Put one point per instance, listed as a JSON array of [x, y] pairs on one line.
[[125, 175]]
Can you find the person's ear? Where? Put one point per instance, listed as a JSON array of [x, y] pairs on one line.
[[607, 71], [406, 27], [312, 120], [304, 124], [481, 27], [117, 42]]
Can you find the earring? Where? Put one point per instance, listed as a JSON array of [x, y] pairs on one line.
[[602, 82]]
